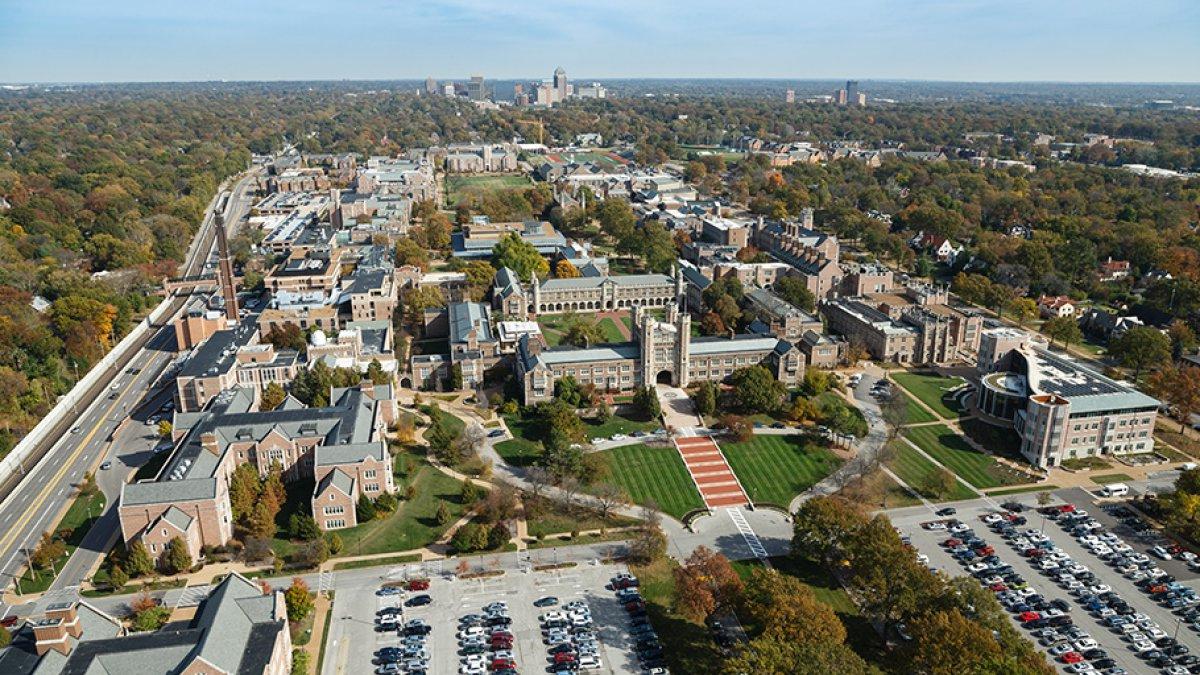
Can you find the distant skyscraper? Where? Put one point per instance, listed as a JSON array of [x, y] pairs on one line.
[[790, 96], [560, 83], [839, 97], [851, 93], [476, 89], [431, 86]]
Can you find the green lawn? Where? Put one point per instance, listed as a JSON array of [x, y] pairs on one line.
[[1111, 478], [999, 440], [414, 524], [776, 468], [829, 400], [547, 516], [453, 424], [914, 413], [519, 452], [914, 469], [1022, 490], [527, 430], [949, 448], [932, 390], [654, 475], [618, 424], [457, 186], [612, 332], [84, 511]]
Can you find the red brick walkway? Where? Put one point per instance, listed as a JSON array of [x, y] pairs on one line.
[[715, 480]]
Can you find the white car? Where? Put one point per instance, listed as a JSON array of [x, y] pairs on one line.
[[1155, 634], [472, 632], [1161, 552], [473, 668], [1143, 646], [1100, 589], [961, 527], [976, 567], [589, 662], [1081, 667], [1086, 644], [1131, 628]]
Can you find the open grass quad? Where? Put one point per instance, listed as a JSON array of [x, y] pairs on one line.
[[932, 390], [950, 449], [654, 474], [458, 186], [915, 470], [775, 468]]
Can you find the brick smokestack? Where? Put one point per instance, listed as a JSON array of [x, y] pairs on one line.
[[225, 270]]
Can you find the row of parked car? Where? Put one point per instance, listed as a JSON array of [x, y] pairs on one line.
[[649, 649], [1145, 637], [485, 641], [570, 637], [411, 656]]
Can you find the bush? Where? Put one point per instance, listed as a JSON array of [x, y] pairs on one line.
[[335, 543], [498, 536], [386, 503], [303, 526], [365, 509], [117, 578], [470, 537], [151, 618]]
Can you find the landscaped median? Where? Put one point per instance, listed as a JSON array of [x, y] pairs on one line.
[[53, 552]]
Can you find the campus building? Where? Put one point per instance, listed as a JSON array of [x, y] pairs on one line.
[[1061, 409], [584, 294], [661, 352], [339, 446], [236, 629]]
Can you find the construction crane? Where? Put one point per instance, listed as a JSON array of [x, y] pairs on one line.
[[541, 127]]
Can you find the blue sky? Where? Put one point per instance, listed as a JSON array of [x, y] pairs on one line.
[[975, 40]]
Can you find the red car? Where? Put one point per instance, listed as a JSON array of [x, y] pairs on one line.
[[502, 664], [985, 550], [952, 542], [8, 621], [1072, 657], [1066, 508], [418, 585], [564, 657], [1175, 549], [1029, 616], [997, 588], [1034, 553]]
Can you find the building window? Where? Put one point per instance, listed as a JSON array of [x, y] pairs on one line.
[[369, 474], [372, 487], [154, 548], [334, 524], [334, 510]]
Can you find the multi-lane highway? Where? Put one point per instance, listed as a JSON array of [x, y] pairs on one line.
[[111, 427]]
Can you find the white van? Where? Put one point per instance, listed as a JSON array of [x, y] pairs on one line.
[[1114, 490]]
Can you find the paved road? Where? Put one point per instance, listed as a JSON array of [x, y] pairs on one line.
[[30, 509]]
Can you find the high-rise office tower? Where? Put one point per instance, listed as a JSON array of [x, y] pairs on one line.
[[852, 92], [476, 90], [560, 83], [431, 86]]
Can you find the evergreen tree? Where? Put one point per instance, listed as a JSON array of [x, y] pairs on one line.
[[139, 562], [176, 559], [244, 488], [365, 509]]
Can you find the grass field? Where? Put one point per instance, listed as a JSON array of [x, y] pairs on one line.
[[457, 186], [776, 468], [949, 448], [519, 451], [454, 424], [84, 511], [999, 440], [654, 475], [414, 524], [914, 413], [1022, 490], [932, 390], [1111, 478], [915, 470], [618, 424], [612, 332]]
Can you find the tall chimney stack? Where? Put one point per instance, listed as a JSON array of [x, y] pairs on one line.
[[225, 270]]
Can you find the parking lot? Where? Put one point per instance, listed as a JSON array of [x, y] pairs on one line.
[[1155, 616], [354, 639]]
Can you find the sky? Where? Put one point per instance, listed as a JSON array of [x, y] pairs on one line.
[[962, 40]]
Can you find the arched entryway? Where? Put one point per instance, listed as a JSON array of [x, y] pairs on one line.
[[406, 383], [664, 377]]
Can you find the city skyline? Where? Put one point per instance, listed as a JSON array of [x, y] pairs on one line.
[[928, 40]]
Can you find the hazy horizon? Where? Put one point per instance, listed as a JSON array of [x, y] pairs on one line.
[[969, 41]]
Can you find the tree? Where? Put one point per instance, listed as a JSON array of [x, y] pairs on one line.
[[1044, 497], [649, 545], [497, 536], [739, 427], [887, 579], [771, 656], [705, 582], [138, 561], [164, 428], [262, 520], [299, 600], [565, 270], [1183, 339], [312, 553], [645, 399], [244, 488], [1063, 329], [470, 537], [583, 333], [786, 609], [376, 374], [757, 391], [456, 377], [443, 516], [303, 526], [300, 662], [608, 497], [176, 558], [439, 434], [151, 618], [498, 504], [117, 578], [795, 290], [273, 491], [706, 398], [803, 410], [1141, 347], [894, 411], [1178, 386], [821, 525], [416, 301], [49, 550], [947, 643], [272, 395], [938, 483], [520, 256], [286, 336], [617, 219], [336, 545], [409, 252], [727, 308], [364, 509], [5, 637], [1022, 310]]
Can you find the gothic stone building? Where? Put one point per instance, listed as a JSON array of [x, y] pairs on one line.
[[661, 352], [584, 294]]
